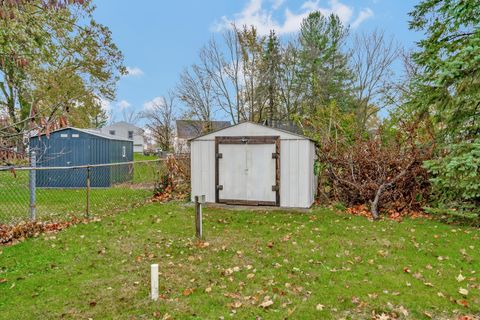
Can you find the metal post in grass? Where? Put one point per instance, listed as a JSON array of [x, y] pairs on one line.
[[87, 211], [199, 200], [33, 185], [154, 282]]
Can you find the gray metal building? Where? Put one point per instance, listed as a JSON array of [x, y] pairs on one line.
[[70, 146]]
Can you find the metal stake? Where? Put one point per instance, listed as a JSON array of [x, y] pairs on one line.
[[198, 216]]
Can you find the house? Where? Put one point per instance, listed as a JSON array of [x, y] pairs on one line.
[[125, 130], [252, 164], [189, 129], [70, 146]]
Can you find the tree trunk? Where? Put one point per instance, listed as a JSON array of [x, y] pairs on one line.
[[383, 187]]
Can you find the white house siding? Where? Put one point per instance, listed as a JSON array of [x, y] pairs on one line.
[[297, 156], [180, 146], [121, 131]]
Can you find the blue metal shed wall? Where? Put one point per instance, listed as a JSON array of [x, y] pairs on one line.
[[100, 176], [61, 149], [121, 174]]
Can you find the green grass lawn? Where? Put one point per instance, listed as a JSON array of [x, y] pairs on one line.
[[140, 157], [58, 204], [316, 265]]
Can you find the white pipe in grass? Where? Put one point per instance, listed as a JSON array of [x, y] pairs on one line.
[[154, 278]]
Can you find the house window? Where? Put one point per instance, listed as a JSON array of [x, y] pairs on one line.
[[124, 151], [130, 135], [112, 132]]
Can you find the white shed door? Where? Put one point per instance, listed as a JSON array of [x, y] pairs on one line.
[[247, 172]]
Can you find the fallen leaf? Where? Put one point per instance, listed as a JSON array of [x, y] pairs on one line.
[[460, 278], [319, 307], [3, 280], [463, 303], [187, 292], [93, 303], [266, 303], [403, 311], [463, 291]]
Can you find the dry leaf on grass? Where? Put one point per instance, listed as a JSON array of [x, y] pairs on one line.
[[187, 292], [266, 303], [463, 291], [320, 307]]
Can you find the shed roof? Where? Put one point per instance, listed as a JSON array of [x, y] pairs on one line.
[[87, 131], [257, 124], [188, 129]]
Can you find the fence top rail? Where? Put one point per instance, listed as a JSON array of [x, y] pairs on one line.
[[10, 168]]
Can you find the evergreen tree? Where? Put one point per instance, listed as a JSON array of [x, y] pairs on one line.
[[325, 72]]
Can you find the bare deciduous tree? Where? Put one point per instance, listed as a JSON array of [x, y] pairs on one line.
[[372, 57], [224, 69], [196, 92], [160, 121], [131, 116]]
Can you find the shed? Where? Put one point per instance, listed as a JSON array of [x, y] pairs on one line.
[[70, 147], [251, 164]]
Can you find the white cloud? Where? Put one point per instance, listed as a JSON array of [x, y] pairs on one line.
[[263, 17], [123, 104], [135, 72], [364, 15], [149, 105], [106, 105], [277, 4]]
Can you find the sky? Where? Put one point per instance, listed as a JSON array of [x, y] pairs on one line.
[[160, 38]]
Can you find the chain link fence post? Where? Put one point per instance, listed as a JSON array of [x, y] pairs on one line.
[[87, 211], [33, 185]]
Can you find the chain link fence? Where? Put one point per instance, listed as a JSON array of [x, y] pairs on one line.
[[59, 193]]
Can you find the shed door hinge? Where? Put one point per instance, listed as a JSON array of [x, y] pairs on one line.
[[274, 155], [275, 188], [219, 155], [219, 187]]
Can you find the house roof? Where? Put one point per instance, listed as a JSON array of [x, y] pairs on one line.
[[88, 131], [261, 125], [188, 129], [122, 124]]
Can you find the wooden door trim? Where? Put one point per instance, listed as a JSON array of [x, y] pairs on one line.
[[248, 140]]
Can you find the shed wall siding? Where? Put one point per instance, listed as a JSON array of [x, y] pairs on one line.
[[295, 187], [297, 180], [203, 169]]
